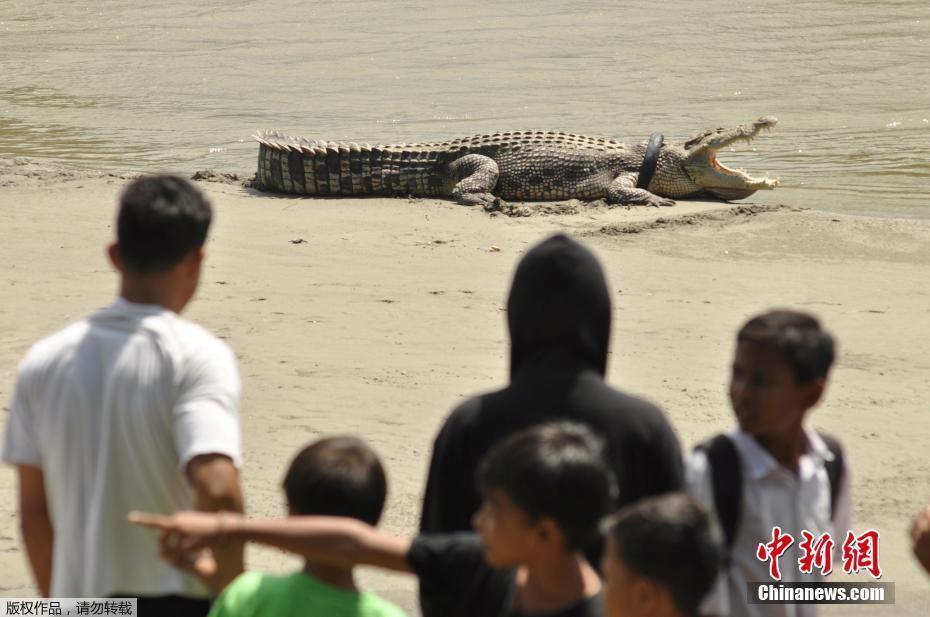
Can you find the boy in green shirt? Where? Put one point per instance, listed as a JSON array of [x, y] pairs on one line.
[[337, 476], [545, 490]]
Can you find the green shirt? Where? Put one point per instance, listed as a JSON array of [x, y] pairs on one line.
[[253, 594]]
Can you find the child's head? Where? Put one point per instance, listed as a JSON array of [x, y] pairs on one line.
[[544, 491], [662, 556], [336, 476], [779, 371]]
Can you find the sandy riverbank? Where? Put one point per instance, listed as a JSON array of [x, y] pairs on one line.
[[376, 316]]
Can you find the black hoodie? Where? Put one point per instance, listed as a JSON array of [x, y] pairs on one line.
[[559, 316]]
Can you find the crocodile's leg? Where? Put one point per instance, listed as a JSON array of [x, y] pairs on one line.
[[475, 176], [622, 191]]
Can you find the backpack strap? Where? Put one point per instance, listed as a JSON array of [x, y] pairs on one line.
[[727, 482], [727, 479], [835, 469]]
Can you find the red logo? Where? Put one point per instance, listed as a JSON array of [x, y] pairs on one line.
[[771, 551], [816, 553], [861, 553]]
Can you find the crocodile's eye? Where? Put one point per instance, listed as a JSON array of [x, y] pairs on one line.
[[697, 139]]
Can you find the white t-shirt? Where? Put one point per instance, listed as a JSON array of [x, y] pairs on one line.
[[112, 409], [772, 495]]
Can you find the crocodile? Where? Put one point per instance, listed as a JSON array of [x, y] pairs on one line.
[[513, 166]]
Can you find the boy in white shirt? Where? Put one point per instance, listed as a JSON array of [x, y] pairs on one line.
[[773, 470]]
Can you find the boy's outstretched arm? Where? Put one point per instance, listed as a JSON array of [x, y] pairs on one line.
[[335, 541]]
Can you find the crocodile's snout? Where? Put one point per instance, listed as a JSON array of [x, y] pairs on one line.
[[716, 178]]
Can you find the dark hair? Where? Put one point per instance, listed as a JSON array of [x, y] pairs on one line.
[[161, 220], [337, 476], [556, 470], [798, 337], [673, 540]]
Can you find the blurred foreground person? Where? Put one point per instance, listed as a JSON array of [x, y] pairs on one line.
[[129, 408]]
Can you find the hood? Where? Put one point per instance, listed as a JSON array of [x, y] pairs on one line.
[[559, 308]]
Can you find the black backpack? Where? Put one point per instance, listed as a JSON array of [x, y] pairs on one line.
[[727, 479]]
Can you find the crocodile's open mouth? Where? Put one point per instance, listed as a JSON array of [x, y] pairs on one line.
[[721, 167], [733, 192], [715, 177]]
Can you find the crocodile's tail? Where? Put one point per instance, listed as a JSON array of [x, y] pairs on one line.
[[311, 167]]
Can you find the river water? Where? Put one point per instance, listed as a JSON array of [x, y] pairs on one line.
[[180, 86]]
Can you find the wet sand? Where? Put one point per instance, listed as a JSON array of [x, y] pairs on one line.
[[376, 316]]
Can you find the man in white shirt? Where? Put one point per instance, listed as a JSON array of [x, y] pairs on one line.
[[785, 474], [130, 408]]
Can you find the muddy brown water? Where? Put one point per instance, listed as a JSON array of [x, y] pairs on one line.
[[181, 86]]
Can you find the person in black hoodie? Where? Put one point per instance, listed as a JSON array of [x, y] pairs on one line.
[[559, 315]]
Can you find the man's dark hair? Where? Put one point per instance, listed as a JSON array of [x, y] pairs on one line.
[[555, 470], [798, 337], [337, 476], [673, 540], [161, 220]]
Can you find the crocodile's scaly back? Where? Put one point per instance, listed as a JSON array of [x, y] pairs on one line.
[[312, 167]]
